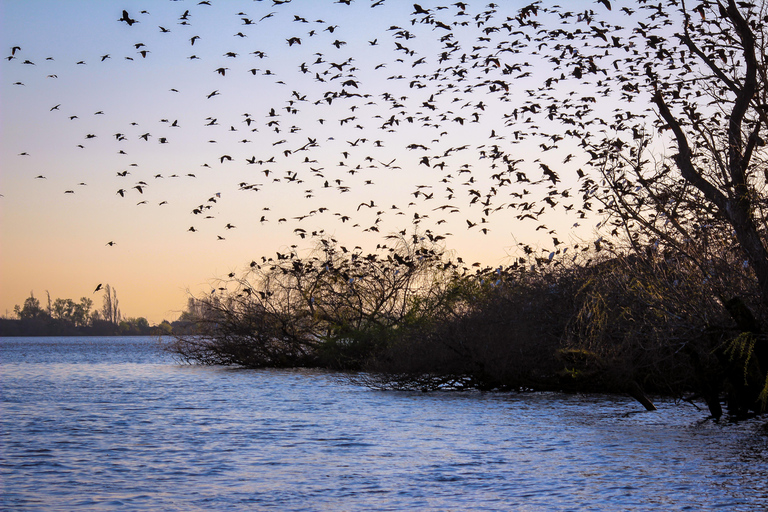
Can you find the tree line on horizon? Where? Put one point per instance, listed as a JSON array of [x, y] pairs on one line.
[[66, 317]]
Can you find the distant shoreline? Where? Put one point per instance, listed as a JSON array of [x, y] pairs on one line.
[[51, 327]]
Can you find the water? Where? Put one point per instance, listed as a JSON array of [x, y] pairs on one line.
[[114, 424]]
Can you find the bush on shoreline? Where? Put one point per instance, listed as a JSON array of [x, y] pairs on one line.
[[409, 317]]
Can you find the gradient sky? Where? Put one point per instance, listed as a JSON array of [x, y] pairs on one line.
[[56, 241]]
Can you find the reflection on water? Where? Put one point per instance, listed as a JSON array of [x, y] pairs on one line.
[[113, 424]]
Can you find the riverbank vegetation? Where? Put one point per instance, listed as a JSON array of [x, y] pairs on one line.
[[671, 297], [412, 317]]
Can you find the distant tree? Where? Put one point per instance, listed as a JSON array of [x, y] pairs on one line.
[[63, 309], [134, 326], [110, 310], [82, 311], [70, 311], [31, 309], [50, 307], [164, 328]]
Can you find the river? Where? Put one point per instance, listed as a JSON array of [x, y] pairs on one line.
[[116, 424]]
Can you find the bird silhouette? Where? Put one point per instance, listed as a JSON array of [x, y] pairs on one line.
[[451, 68], [127, 19]]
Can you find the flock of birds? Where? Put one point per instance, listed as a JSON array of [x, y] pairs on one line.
[[448, 118]]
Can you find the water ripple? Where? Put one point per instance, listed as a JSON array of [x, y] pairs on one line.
[[111, 424]]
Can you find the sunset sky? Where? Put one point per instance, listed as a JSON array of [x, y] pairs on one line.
[[246, 139]]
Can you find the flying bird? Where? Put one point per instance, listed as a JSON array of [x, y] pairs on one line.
[[126, 18]]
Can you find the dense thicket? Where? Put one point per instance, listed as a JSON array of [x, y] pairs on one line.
[[411, 318]]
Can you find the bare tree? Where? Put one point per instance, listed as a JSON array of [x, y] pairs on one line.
[[687, 179], [110, 309], [666, 102], [333, 308]]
